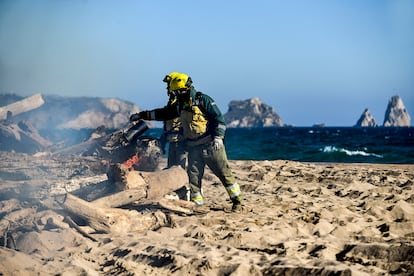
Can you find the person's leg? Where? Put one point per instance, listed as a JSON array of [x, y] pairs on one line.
[[195, 172], [181, 154], [177, 155], [171, 155], [218, 163]]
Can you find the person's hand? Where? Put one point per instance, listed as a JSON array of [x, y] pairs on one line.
[[217, 143], [134, 117]]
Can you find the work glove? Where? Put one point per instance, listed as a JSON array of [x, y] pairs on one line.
[[217, 143], [134, 117]]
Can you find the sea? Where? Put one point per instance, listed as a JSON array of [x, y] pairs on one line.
[[385, 145]]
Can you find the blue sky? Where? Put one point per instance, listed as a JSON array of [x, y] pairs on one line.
[[313, 61]]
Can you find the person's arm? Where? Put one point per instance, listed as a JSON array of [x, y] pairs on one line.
[[160, 114]]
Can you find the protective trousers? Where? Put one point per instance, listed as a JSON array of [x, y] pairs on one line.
[[216, 160], [177, 155]]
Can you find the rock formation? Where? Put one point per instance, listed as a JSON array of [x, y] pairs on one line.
[[396, 114], [251, 113], [366, 120]]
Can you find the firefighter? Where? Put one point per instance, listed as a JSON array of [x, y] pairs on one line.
[[172, 133], [203, 129]]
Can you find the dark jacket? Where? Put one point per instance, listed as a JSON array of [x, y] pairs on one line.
[[215, 120]]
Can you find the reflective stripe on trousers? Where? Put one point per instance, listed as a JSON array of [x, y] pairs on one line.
[[197, 198], [233, 190]]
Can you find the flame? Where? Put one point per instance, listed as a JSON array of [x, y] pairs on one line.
[[129, 163]]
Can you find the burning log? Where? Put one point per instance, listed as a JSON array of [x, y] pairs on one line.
[[124, 144]]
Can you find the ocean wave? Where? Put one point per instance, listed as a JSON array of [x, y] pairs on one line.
[[333, 149]]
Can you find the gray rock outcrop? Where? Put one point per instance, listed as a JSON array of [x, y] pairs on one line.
[[366, 120], [251, 113], [396, 114]]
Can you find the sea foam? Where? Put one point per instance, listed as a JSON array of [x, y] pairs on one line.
[[331, 149]]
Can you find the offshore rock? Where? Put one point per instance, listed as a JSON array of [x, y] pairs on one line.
[[366, 120], [251, 113], [396, 114]]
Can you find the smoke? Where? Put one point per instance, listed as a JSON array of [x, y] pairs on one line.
[[63, 47]]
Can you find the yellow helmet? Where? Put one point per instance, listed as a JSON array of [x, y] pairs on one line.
[[180, 81], [169, 77]]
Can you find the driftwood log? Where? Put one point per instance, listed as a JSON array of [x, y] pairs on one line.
[[137, 185], [109, 220], [101, 215], [21, 106], [121, 198], [156, 183], [96, 218]]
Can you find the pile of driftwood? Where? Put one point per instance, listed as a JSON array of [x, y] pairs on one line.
[[96, 186], [132, 187], [26, 207], [88, 202]]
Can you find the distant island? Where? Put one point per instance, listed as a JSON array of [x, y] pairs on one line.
[[253, 113], [396, 115]]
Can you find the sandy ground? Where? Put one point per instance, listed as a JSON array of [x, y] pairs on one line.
[[298, 219]]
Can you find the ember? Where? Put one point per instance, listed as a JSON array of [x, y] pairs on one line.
[[131, 162]]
